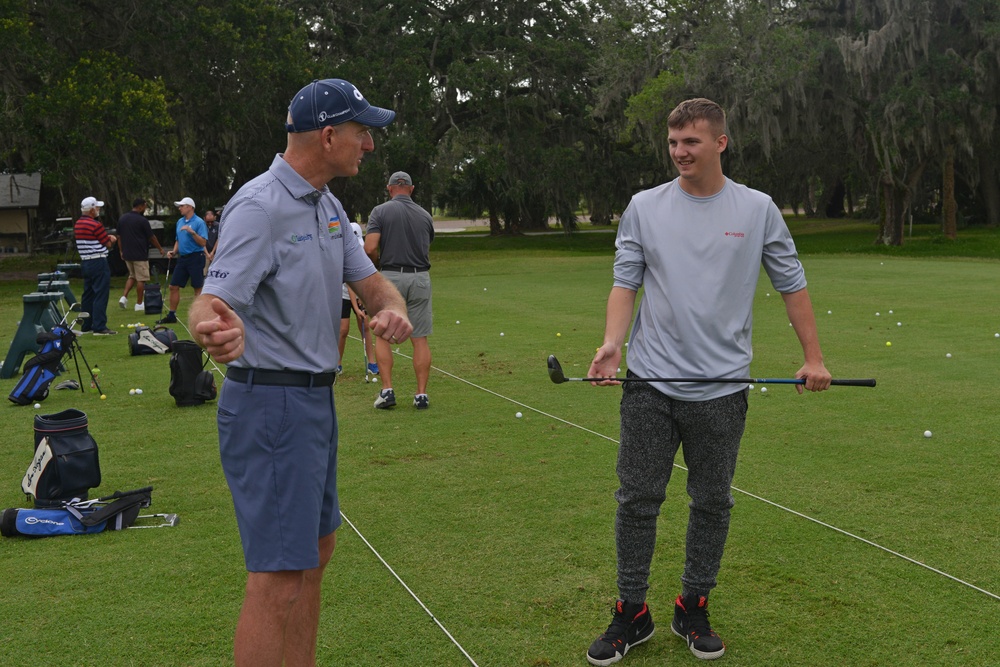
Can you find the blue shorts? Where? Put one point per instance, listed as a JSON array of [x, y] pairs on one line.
[[279, 453], [189, 267]]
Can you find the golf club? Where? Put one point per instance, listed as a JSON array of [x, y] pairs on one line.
[[557, 376], [168, 521]]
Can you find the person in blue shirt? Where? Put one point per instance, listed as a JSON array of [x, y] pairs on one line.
[[189, 249]]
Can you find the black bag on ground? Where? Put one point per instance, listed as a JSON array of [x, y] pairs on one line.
[[152, 300], [41, 369], [65, 464], [190, 383], [158, 340]]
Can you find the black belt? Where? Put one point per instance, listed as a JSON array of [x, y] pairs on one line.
[[281, 378], [402, 269], [192, 254]]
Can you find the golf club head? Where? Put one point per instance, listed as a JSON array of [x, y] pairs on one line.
[[555, 370]]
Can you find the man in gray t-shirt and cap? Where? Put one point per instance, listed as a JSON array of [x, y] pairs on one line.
[[399, 237]]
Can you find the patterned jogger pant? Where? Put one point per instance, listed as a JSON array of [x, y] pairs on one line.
[[653, 426]]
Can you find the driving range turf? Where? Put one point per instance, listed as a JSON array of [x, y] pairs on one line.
[[503, 527]]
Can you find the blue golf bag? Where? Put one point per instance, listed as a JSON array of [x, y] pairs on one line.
[[77, 517], [40, 370]]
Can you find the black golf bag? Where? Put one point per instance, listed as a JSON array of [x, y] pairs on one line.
[[77, 517], [157, 340], [40, 370], [190, 383], [152, 300], [65, 465]]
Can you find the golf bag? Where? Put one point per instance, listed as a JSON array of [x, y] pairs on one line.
[[39, 371], [152, 300], [190, 383], [157, 340], [65, 465], [77, 517]]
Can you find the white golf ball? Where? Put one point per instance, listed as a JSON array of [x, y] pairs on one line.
[[927, 434], [996, 335], [899, 324], [890, 312], [518, 415], [131, 392], [829, 312], [501, 334], [751, 387], [763, 390], [948, 356], [38, 405], [877, 314], [138, 391]]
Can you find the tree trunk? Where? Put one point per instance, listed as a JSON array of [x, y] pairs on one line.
[[949, 225], [989, 188], [893, 211]]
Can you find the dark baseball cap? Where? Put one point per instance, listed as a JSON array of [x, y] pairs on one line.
[[332, 102]]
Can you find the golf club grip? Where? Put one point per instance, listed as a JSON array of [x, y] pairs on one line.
[[867, 382]]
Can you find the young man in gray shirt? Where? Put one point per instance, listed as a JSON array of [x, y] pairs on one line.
[[695, 245]]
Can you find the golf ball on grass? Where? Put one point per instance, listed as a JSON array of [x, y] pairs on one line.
[[38, 405], [104, 397], [763, 390], [888, 343], [139, 391], [948, 356], [927, 434], [131, 392], [518, 415]]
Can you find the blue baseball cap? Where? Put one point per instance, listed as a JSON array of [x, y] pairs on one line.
[[332, 102]]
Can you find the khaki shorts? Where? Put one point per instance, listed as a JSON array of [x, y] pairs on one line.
[[416, 291], [138, 271]]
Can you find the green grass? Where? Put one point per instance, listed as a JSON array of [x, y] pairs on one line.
[[503, 526]]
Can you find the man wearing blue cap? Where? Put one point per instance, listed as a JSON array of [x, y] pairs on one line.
[[270, 309]]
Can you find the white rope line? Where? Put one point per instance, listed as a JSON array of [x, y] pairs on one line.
[[408, 590], [746, 493]]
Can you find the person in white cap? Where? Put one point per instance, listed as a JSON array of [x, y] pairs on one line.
[[271, 310], [93, 242], [189, 249]]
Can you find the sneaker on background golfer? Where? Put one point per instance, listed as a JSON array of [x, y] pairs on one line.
[[284, 250], [696, 245], [399, 236]]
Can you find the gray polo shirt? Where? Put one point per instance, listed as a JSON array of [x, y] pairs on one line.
[[407, 231], [284, 251], [698, 260]]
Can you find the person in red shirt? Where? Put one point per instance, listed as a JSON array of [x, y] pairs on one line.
[[93, 242]]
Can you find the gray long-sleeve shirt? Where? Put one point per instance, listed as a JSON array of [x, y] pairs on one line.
[[698, 260]]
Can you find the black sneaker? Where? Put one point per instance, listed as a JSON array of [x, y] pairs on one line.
[[104, 332], [691, 623], [169, 319], [421, 402], [386, 399], [631, 624]]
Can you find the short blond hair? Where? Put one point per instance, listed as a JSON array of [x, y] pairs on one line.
[[698, 108]]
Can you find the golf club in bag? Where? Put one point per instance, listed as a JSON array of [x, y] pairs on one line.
[[40, 370], [557, 376], [118, 511]]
